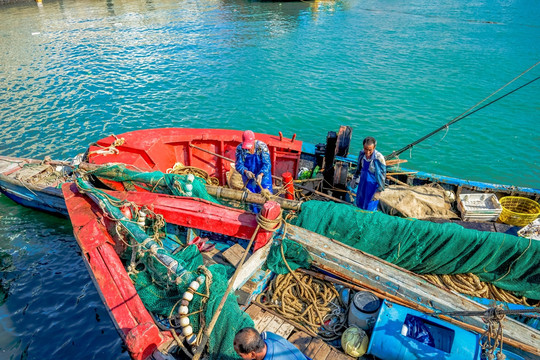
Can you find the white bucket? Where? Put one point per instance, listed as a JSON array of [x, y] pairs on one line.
[[364, 310]]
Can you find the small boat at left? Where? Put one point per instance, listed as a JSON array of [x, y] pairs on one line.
[[35, 183]]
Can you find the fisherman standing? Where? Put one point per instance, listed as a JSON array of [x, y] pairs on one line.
[[369, 176], [249, 344], [253, 162]]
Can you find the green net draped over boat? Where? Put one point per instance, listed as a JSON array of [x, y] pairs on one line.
[[161, 278], [510, 262], [295, 255], [156, 181]]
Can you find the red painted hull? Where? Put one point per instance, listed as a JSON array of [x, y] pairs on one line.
[[160, 149], [134, 323]]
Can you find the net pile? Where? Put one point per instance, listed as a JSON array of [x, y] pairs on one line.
[[161, 277], [156, 181], [509, 262]]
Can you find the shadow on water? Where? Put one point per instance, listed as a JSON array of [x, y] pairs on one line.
[[44, 287], [6, 267]]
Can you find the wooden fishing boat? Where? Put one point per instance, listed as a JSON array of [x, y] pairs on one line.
[[160, 149], [213, 152], [35, 183], [102, 241]]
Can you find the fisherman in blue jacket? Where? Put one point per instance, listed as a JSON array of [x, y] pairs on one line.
[[251, 345], [370, 175], [253, 162]]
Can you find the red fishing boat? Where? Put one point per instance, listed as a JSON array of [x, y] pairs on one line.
[[103, 245], [211, 150]]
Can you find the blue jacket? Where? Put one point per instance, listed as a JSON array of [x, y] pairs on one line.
[[277, 348], [377, 167], [261, 150]]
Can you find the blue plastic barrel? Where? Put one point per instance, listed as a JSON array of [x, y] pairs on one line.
[[401, 333]]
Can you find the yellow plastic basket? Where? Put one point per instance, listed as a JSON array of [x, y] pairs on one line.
[[518, 211]]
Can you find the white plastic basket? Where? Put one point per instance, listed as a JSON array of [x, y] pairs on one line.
[[479, 207]]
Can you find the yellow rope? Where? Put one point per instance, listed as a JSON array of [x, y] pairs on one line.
[[269, 224], [180, 169], [107, 150], [300, 298], [470, 284], [513, 262]]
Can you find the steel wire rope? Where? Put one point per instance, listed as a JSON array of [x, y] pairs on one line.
[[468, 112]]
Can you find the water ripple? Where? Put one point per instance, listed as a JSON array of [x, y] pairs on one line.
[[75, 71]]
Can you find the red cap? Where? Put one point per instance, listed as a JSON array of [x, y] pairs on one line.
[[248, 139]]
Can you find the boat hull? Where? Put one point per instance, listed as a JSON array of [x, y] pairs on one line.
[[131, 319], [35, 186], [329, 255], [211, 150]]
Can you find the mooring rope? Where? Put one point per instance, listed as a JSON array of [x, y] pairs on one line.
[[109, 150], [470, 284], [180, 169], [492, 339]]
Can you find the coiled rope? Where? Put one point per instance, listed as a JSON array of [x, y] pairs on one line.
[[470, 284], [269, 224], [299, 297], [179, 169], [109, 150]]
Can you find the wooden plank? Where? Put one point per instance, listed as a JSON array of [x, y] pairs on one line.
[[274, 325], [257, 318], [391, 279], [337, 355], [234, 254], [263, 322], [313, 348], [285, 330], [253, 310], [301, 340], [323, 352], [395, 162], [251, 265]]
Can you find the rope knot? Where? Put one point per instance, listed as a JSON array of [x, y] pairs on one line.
[[494, 315], [269, 224], [109, 150]]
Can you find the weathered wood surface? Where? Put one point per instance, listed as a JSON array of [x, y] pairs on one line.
[[252, 264], [399, 282], [314, 348]]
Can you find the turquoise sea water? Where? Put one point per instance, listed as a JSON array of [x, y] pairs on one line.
[[72, 72]]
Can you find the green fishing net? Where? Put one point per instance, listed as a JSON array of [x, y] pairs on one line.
[[509, 262], [162, 277], [295, 256], [158, 182]]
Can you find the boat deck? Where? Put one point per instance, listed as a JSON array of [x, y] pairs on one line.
[[315, 348]]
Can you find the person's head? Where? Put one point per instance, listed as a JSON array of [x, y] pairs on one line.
[[249, 344], [248, 140], [369, 146]]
